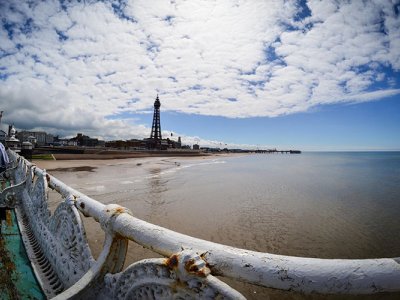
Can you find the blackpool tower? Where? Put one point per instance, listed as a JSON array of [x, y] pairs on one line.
[[155, 135]]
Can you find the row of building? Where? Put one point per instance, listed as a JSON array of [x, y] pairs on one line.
[[80, 140], [136, 144], [36, 138], [41, 138], [156, 142]]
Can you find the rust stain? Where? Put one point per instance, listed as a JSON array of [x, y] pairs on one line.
[[8, 218], [190, 266], [193, 268], [172, 262], [119, 210], [209, 266], [115, 211], [7, 271]]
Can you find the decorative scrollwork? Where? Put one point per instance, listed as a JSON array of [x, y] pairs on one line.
[[74, 256], [20, 170], [182, 276], [5, 175], [29, 179], [61, 236], [39, 198], [10, 196], [7, 199]]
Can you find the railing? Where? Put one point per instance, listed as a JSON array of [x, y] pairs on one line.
[[62, 260]]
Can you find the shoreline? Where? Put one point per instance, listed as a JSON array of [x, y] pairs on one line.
[[70, 161], [123, 155], [80, 163]]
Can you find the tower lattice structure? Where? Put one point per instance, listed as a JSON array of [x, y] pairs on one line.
[[156, 127]]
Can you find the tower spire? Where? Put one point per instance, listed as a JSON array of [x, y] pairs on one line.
[[155, 135]]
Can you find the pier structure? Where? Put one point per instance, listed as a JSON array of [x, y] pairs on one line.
[[269, 151], [57, 247]]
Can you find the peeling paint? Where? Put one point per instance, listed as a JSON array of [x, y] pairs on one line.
[[7, 268]]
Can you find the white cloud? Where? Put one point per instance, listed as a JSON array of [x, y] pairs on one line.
[[68, 68]]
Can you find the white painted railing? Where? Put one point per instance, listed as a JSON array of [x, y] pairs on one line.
[[62, 259]]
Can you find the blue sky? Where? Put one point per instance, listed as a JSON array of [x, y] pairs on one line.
[[313, 75], [372, 126]]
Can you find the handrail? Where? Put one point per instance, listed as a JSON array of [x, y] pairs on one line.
[[308, 275]]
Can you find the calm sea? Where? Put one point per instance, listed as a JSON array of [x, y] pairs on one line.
[[327, 205]]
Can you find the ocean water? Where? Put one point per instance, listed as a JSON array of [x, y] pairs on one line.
[[327, 205]]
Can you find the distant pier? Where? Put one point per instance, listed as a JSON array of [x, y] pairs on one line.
[[272, 151]]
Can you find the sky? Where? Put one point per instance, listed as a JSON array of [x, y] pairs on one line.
[[309, 75]]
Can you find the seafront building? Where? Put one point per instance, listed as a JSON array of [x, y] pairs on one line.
[[42, 140], [86, 141], [39, 138]]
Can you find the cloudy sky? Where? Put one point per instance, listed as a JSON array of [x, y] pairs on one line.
[[300, 74]]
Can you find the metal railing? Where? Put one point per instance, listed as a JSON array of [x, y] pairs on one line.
[[58, 243]]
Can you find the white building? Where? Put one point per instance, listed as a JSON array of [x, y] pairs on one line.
[[42, 138]]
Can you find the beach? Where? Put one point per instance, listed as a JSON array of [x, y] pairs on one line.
[[105, 154], [116, 181]]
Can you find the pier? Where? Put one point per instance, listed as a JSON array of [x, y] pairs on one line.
[[57, 248], [274, 151]]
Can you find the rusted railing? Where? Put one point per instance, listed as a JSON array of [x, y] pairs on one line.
[[64, 265]]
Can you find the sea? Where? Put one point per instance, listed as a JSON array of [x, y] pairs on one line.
[[314, 204]]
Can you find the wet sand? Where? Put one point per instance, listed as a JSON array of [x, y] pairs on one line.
[[112, 181], [120, 154], [76, 173], [102, 180]]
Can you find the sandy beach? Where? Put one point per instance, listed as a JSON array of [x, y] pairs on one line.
[[104, 179], [65, 165], [101, 154], [94, 160]]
